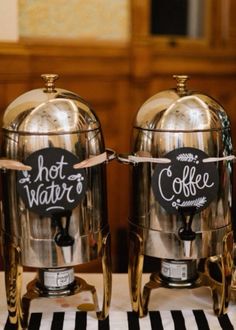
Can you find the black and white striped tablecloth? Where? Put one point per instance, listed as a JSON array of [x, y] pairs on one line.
[[155, 320]]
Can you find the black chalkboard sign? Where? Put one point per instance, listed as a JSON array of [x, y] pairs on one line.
[[186, 181], [53, 185]]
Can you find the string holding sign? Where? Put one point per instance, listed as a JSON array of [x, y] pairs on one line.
[[11, 164], [136, 159], [218, 159], [96, 160]]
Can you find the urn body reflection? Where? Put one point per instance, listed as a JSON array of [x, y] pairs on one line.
[[182, 196], [54, 197]]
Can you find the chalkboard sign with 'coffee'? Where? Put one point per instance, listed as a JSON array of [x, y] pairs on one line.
[[53, 185], [185, 182]]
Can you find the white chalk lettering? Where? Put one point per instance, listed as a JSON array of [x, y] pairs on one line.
[[52, 186], [79, 187], [51, 173], [168, 172], [51, 195], [188, 183]]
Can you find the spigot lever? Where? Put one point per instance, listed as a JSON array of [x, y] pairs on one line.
[[62, 237], [186, 233]]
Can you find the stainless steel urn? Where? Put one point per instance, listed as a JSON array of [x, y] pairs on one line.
[[182, 195], [54, 211]]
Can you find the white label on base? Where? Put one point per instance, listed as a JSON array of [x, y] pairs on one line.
[[175, 270], [58, 279]]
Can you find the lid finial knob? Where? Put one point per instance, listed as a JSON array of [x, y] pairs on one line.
[[181, 84], [49, 79]]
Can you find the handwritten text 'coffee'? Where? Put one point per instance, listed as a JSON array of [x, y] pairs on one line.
[[187, 184]]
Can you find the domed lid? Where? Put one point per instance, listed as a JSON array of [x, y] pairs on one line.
[[181, 110], [49, 111]]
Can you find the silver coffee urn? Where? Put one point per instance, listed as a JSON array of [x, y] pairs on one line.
[[54, 209], [182, 159]]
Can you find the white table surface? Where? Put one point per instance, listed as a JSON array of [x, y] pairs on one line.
[[162, 299]]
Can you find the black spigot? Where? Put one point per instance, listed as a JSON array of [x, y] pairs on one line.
[[62, 237], [186, 233]]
